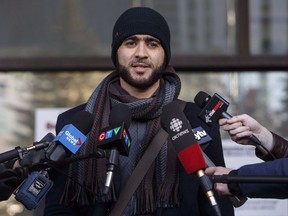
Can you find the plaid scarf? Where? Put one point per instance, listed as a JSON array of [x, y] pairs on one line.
[[162, 175]]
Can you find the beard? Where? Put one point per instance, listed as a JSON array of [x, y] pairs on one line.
[[143, 83]]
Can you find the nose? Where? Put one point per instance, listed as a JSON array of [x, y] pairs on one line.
[[141, 50]]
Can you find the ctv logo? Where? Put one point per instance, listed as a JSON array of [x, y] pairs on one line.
[[200, 134], [108, 134], [126, 138]]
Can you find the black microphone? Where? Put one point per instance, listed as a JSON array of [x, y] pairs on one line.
[[19, 152], [214, 108], [34, 157], [10, 178], [72, 136], [227, 178], [202, 137], [189, 152], [116, 138]]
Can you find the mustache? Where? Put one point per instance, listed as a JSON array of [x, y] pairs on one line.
[[141, 61]]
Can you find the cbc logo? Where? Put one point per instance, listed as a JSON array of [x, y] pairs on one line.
[[176, 125]]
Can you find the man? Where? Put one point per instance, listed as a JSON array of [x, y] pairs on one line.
[[145, 82]]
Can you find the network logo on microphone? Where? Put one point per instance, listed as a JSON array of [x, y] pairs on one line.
[[71, 138], [213, 109], [210, 113], [175, 126], [199, 133], [105, 135], [111, 133], [115, 136]]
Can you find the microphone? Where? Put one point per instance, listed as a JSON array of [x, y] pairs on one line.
[[72, 136], [214, 108], [33, 189], [19, 152], [203, 140], [34, 157], [116, 138], [226, 179], [116, 135], [10, 178], [202, 137], [175, 123]]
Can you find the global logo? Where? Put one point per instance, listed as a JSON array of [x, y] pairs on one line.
[[74, 141], [176, 125]]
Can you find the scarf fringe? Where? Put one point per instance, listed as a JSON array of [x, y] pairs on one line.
[[76, 194], [168, 195], [146, 204]]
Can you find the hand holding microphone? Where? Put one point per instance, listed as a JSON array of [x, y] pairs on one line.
[[242, 127], [204, 140], [222, 189], [215, 108]]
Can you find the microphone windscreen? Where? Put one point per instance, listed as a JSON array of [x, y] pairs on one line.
[[120, 113], [83, 121], [201, 99], [175, 123]]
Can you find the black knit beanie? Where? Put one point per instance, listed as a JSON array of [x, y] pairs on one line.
[[141, 20]]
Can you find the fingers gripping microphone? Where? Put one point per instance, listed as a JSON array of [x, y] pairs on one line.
[[36, 186], [214, 108], [175, 123], [116, 138]]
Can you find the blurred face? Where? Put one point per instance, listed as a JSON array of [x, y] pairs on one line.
[[140, 62]]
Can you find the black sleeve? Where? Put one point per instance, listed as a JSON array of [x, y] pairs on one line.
[[234, 187], [9, 183]]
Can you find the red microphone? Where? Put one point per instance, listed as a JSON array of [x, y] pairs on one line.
[[189, 152]]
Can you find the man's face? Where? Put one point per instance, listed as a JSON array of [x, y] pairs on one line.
[[140, 61]]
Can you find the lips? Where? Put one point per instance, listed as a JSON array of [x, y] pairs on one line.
[[140, 65]]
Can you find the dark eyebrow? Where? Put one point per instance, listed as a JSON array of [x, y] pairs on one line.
[[146, 38]]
